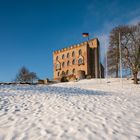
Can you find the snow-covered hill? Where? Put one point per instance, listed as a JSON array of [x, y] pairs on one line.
[[85, 110]]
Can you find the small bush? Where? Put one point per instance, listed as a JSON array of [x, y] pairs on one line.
[[64, 79]]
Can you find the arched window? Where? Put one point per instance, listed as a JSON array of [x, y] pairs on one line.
[[68, 63], [58, 66], [68, 55], [63, 64], [73, 54], [80, 61], [56, 57], [73, 71], [63, 56], [74, 61], [80, 52], [63, 73], [67, 72]]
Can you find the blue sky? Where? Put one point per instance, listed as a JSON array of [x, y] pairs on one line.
[[30, 30]]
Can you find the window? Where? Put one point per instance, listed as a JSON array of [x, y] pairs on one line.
[[80, 52], [63, 64], [67, 72], [68, 63], [63, 73], [80, 61], [63, 56], [58, 66], [68, 55], [74, 61], [73, 54], [56, 57], [73, 71], [58, 73]]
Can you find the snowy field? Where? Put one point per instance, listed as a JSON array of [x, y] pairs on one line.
[[84, 110]]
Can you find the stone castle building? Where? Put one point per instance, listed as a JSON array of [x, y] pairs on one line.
[[78, 60]]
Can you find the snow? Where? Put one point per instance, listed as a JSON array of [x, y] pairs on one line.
[[85, 110]]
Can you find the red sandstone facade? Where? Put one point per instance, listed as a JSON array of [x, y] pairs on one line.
[[82, 57]]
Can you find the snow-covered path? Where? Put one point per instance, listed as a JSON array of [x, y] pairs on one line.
[[82, 110]]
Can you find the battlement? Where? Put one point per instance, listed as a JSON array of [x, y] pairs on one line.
[[74, 46]]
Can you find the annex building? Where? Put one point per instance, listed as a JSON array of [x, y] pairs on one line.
[[78, 60]]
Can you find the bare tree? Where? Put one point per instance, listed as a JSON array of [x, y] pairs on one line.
[[113, 51], [25, 76], [130, 46], [131, 43], [113, 62], [33, 76]]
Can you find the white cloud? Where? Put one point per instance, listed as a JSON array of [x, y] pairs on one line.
[[134, 21]]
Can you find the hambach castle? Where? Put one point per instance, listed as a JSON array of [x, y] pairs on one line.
[[81, 60]]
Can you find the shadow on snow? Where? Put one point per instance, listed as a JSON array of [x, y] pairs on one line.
[[52, 90]]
